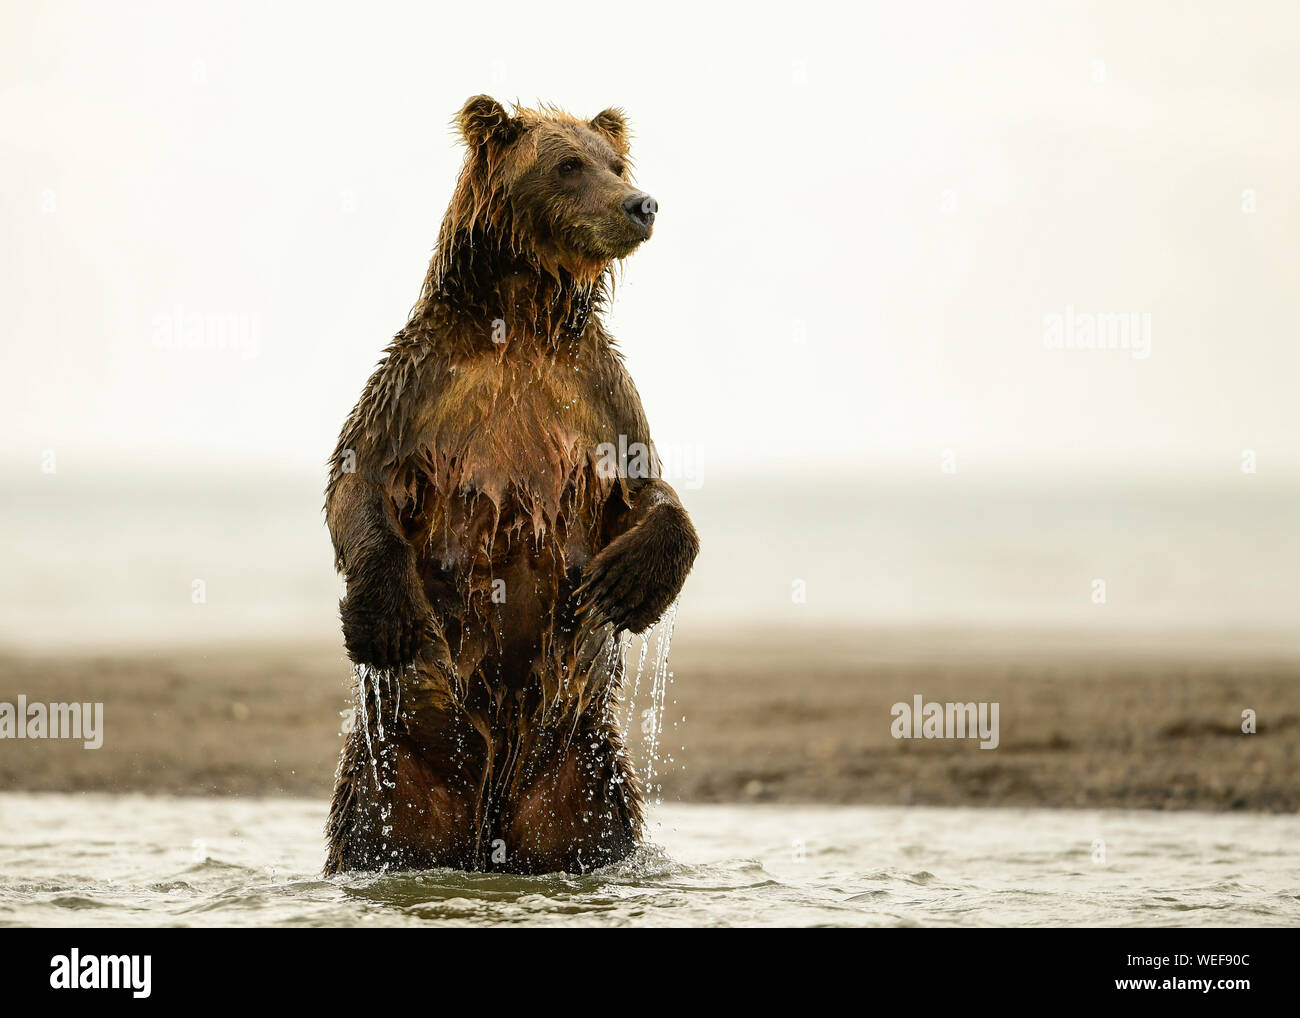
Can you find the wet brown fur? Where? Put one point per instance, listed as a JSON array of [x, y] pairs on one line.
[[486, 735]]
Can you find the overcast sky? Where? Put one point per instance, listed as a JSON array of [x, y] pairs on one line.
[[867, 211]]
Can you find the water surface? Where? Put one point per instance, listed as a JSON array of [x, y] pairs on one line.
[[108, 860]]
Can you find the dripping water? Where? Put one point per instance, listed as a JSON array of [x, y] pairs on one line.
[[651, 719], [370, 680], [360, 674], [636, 684]]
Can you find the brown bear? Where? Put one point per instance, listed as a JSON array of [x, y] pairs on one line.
[[495, 539]]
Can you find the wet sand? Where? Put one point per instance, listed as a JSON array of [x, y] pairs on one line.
[[1085, 720]]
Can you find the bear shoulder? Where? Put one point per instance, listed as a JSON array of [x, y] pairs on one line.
[[381, 431], [613, 386]]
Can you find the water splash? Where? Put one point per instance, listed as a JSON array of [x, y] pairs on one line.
[[375, 681], [360, 675], [651, 718], [636, 685], [652, 725], [379, 702]]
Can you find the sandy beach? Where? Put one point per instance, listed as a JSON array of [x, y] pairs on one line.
[[1085, 721]]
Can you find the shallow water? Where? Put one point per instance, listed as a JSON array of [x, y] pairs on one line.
[[104, 860]]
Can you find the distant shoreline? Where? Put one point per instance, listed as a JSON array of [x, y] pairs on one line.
[[1143, 721]]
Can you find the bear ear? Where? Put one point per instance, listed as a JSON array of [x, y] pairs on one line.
[[613, 125], [483, 118]]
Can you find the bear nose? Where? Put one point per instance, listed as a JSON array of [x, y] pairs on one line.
[[641, 209]]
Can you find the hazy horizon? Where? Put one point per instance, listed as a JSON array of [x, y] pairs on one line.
[[112, 558], [866, 331], [867, 218]]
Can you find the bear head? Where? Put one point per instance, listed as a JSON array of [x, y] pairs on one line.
[[546, 187]]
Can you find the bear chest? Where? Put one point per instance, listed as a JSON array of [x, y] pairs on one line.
[[505, 426]]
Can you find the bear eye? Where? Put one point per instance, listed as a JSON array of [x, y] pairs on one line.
[[569, 167]]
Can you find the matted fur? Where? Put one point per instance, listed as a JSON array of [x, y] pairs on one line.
[[467, 509]]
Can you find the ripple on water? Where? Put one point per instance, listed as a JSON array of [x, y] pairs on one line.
[[709, 865]]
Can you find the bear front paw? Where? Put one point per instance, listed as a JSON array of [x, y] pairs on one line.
[[387, 636], [636, 577]]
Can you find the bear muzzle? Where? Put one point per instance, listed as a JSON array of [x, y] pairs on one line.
[[641, 209]]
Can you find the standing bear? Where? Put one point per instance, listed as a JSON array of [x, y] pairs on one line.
[[496, 509]]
